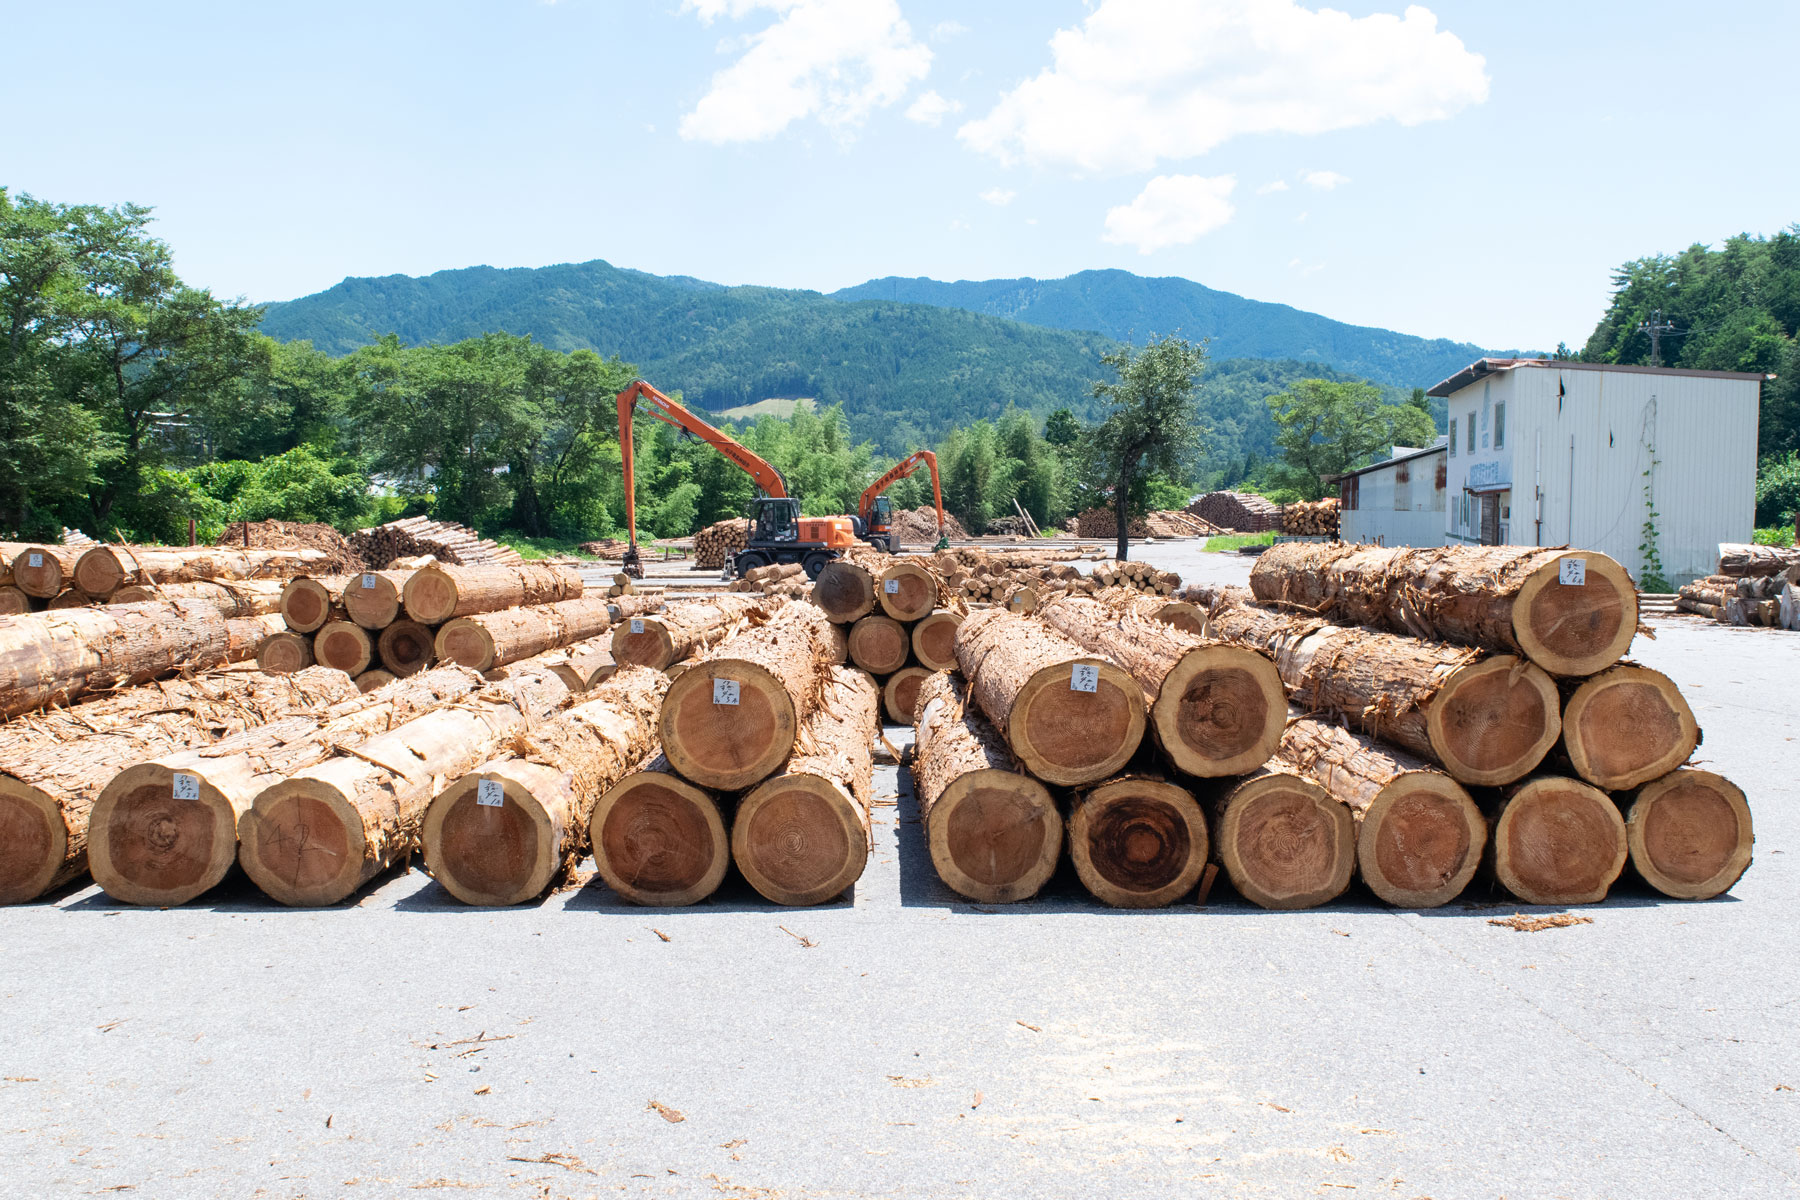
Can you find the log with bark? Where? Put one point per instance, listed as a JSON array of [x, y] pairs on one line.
[[1419, 835], [374, 678], [1022, 599], [730, 719], [54, 764], [623, 608], [1689, 834], [845, 591], [802, 835], [55, 657], [518, 823], [373, 598], [907, 591], [1741, 559], [1555, 840], [165, 827], [438, 593], [405, 647], [1485, 720], [683, 630], [1627, 726], [285, 652], [494, 639], [309, 601], [233, 598], [1215, 709], [323, 832], [1070, 717], [344, 646], [900, 693], [1137, 841], [244, 636], [43, 572], [1572, 612], [879, 644], [657, 839], [1282, 840], [934, 640], [100, 570], [993, 832]]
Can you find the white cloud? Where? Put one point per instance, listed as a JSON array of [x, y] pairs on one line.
[[943, 31], [931, 108], [837, 60], [1277, 185], [1144, 81], [1172, 210], [1325, 181], [998, 197]]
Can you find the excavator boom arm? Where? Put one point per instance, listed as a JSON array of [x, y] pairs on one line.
[[670, 413], [900, 470]]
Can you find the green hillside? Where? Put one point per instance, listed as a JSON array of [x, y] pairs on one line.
[[1129, 307]]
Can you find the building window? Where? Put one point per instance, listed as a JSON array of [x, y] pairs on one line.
[[1499, 426], [1471, 446], [1452, 437]]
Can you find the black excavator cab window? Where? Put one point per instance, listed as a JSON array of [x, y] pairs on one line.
[[778, 520]]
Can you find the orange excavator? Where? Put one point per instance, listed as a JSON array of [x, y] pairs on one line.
[[778, 533], [875, 512]]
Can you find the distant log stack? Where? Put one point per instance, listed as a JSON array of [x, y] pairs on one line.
[[1311, 518], [1572, 612], [1750, 599], [992, 830], [518, 823], [445, 541], [1242, 512], [1137, 577], [802, 836], [720, 541], [1743, 560], [1419, 835], [1070, 717]]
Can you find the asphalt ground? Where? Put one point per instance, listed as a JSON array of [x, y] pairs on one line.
[[905, 1043]]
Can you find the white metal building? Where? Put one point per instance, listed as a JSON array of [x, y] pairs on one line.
[[1547, 453], [1400, 502]]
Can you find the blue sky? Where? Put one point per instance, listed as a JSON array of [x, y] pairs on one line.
[[1466, 169]]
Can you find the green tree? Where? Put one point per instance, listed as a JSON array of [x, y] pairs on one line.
[[1061, 428], [1326, 428], [1150, 423]]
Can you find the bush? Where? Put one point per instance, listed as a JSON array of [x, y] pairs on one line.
[[300, 485], [1778, 490]]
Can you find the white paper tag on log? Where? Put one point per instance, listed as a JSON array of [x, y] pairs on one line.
[[1084, 677], [490, 793], [186, 787], [37, 560], [368, 581], [637, 624], [891, 586], [1572, 571], [725, 691]]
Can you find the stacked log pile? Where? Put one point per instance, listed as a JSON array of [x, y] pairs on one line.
[[445, 541], [1136, 577], [1754, 585], [787, 580], [1162, 523], [718, 542], [42, 577], [1242, 512], [1311, 518]]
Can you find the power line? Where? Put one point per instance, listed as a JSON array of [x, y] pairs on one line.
[[1656, 327]]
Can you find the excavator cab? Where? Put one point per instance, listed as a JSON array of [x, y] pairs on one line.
[[881, 524], [777, 520]]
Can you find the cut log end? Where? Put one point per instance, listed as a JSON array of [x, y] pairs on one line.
[[302, 844], [1492, 722], [145, 846], [1285, 843], [908, 592], [1138, 843], [372, 599], [344, 646], [1689, 834], [1627, 726], [934, 640], [1576, 629], [430, 596], [13, 601], [1220, 712], [41, 571], [995, 836], [33, 841], [306, 604], [489, 850], [405, 647], [1559, 841], [844, 591], [659, 840], [98, 571], [799, 840], [723, 745], [284, 653], [368, 681], [1420, 841], [1069, 737], [900, 694], [879, 645], [643, 643], [465, 642], [1183, 616]]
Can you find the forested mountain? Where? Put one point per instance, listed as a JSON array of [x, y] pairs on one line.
[[1129, 307]]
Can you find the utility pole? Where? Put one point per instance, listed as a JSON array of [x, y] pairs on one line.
[[1656, 327]]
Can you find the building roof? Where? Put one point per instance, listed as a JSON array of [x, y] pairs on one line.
[[1442, 445], [1483, 367]]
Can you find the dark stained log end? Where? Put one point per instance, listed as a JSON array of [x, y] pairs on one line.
[[405, 647], [33, 841], [1138, 843]]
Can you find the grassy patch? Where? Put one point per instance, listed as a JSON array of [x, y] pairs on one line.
[[1236, 541], [1774, 535], [545, 547]]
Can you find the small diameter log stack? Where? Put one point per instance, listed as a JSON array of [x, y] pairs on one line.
[[1311, 518], [802, 835], [317, 836], [518, 823], [56, 763], [993, 831], [719, 541], [165, 828], [1137, 577]]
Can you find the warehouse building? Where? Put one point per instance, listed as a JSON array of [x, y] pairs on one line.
[[1399, 502]]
